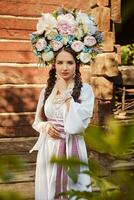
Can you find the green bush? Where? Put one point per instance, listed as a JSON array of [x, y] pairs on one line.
[[8, 165], [127, 54]]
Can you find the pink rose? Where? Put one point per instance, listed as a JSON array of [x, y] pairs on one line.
[[77, 46], [64, 27], [56, 45], [89, 41], [41, 44]]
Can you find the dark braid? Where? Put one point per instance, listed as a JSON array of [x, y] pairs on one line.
[[50, 83], [77, 84]]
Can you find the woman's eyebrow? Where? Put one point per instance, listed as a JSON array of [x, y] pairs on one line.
[[65, 60]]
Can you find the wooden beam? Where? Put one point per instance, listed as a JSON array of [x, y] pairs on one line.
[[102, 17], [116, 11], [17, 56], [35, 8], [16, 75]]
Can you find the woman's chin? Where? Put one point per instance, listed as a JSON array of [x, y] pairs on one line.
[[65, 77]]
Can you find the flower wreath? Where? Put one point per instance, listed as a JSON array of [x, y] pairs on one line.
[[65, 28]]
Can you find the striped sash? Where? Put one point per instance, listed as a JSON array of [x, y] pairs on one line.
[[61, 175]]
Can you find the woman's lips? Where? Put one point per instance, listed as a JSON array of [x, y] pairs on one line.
[[64, 74]]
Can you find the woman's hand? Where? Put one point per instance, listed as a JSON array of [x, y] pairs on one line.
[[51, 130], [61, 84]]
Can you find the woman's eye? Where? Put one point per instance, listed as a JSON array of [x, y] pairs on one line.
[[70, 62], [59, 62]]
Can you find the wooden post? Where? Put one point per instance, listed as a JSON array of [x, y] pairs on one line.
[[105, 68]]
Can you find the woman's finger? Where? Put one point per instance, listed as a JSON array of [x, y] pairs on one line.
[[53, 133]]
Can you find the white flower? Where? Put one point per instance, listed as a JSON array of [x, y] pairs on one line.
[[67, 16], [85, 57], [91, 27], [48, 56], [65, 40], [82, 17], [56, 45], [89, 41], [88, 25], [79, 33], [46, 22], [50, 34], [41, 44], [77, 46]]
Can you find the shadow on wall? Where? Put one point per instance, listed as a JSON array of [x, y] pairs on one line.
[[17, 107]]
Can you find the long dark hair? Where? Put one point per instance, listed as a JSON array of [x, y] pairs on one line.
[[52, 79]]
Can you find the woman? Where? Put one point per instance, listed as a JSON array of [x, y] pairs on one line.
[[68, 106], [64, 40]]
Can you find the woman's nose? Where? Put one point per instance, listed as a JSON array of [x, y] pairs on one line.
[[65, 66]]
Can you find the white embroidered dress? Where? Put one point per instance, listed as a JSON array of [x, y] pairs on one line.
[[73, 122]]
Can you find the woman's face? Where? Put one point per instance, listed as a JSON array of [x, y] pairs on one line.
[[65, 65]]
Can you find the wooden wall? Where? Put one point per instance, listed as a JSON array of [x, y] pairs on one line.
[[21, 80]]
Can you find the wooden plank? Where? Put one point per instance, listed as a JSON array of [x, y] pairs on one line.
[[35, 8], [116, 11], [105, 64], [15, 45], [108, 43], [16, 145], [102, 17], [102, 2], [102, 110], [25, 175], [20, 147], [19, 8], [122, 165], [94, 3], [117, 49], [17, 131], [127, 75], [16, 75], [14, 34], [26, 189], [16, 23], [13, 119], [18, 99], [103, 89], [17, 56]]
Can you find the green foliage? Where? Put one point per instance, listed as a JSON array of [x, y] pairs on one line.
[[9, 165], [10, 196], [115, 141], [127, 54]]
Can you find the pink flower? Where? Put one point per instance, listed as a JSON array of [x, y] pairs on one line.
[[56, 45], [65, 27], [41, 44], [66, 24], [89, 41], [77, 46]]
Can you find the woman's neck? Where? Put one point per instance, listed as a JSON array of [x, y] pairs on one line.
[[70, 81]]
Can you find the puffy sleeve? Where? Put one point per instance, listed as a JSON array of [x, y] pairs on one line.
[[79, 114], [37, 124]]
